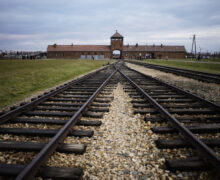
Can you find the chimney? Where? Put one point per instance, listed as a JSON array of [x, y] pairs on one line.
[[161, 45], [153, 45], [55, 45], [72, 44], [128, 45], [136, 45]]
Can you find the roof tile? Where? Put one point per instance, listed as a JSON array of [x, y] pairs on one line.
[[116, 35], [106, 48], [154, 48], [78, 48]]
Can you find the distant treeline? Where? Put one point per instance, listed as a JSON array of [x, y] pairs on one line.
[[205, 55], [22, 55]]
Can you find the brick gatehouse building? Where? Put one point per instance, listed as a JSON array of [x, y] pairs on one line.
[[123, 51]]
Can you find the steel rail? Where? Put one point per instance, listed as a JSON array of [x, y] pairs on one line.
[[207, 154], [34, 166], [208, 77], [26, 107], [209, 103], [175, 68]]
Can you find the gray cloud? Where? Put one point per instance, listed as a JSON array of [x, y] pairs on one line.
[[32, 25]]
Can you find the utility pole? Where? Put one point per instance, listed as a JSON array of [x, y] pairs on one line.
[[193, 50]]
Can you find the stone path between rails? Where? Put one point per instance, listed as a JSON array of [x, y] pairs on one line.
[[123, 147]]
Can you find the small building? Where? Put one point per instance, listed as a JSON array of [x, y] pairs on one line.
[[116, 44]]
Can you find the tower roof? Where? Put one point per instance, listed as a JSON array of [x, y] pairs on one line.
[[116, 35]]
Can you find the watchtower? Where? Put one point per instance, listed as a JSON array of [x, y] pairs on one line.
[[117, 43]]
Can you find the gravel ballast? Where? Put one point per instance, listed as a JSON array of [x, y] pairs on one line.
[[209, 91], [122, 147]]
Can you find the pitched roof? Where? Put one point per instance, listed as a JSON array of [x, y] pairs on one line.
[[106, 48], [116, 35], [78, 48], [155, 48]]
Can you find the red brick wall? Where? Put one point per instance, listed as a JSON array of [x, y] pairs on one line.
[[75, 55], [157, 55], [116, 44], [170, 55], [108, 55]]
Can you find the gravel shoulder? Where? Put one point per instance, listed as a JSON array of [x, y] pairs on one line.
[[209, 91]]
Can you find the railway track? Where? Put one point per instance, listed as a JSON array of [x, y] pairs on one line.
[[183, 120], [201, 76], [188, 126], [42, 125]]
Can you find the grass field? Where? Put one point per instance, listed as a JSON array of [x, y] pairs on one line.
[[216, 60], [197, 66], [209, 60], [20, 78]]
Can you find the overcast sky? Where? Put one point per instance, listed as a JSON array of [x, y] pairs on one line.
[[32, 25]]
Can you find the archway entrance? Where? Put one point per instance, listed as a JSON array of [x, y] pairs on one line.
[[116, 54]]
